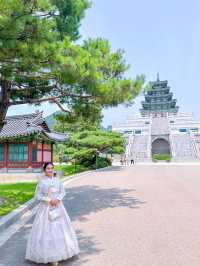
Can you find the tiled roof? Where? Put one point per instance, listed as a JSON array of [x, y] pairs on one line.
[[55, 135], [25, 125]]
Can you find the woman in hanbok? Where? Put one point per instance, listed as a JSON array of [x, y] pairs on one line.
[[52, 237]]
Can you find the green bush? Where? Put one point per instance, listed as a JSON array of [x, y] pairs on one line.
[[102, 162], [71, 169], [162, 157]]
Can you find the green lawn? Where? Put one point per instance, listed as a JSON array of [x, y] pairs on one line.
[[15, 194], [70, 169]]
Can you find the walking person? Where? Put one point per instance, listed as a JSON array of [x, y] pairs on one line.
[[132, 159], [52, 237], [125, 160]]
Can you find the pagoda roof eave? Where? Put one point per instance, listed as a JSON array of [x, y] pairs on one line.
[[158, 82], [173, 101], [151, 96], [170, 111], [158, 89]]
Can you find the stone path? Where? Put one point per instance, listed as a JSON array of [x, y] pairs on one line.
[[130, 216]]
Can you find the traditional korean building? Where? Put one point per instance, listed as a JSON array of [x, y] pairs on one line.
[[26, 142], [160, 128]]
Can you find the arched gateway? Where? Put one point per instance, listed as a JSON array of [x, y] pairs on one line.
[[160, 146]]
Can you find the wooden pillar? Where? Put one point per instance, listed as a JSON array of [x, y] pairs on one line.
[[42, 152], [6, 154], [52, 152], [30, 148]]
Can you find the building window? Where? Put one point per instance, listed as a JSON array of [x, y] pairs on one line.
[[1, 152], [18, 152], [138, 131], [128, 131], [194, 129], [34, 153], [183, 130]]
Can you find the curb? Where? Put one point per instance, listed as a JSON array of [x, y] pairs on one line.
[[16, 214]]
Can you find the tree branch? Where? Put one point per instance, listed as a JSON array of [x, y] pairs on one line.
[[62, 108], [33, 101], [48, 99], [62, 91]]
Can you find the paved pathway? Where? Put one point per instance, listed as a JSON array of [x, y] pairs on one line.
[[129, 216]]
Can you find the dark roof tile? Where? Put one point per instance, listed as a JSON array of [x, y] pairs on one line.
[[28, 124]]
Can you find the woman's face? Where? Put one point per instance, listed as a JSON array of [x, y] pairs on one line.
[[49, 170]]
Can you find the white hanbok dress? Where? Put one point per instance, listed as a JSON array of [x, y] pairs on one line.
[[51, 241]]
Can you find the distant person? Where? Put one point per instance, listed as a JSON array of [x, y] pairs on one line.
[[126, 160], [123, 160], [132, 160]]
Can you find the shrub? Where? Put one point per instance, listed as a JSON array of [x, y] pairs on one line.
[[102, 162], [162, 157]]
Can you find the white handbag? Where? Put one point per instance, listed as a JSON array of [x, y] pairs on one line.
[[54, 213]]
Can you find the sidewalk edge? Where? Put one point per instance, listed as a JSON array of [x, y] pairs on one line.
[[16, 214]]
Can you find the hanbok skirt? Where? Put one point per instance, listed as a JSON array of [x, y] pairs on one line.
[[51, 241]]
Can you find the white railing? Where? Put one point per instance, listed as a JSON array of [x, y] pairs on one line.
[[139, 147], [129, 145], [182, 146], [196, 143]]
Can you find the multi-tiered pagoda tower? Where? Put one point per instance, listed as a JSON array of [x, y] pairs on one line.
[[159, 99], [160, 129]]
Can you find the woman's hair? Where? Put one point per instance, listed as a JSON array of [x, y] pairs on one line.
[[46, 164]]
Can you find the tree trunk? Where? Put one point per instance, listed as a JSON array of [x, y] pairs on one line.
[[4, 100]]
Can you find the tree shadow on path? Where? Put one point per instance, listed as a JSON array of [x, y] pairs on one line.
[[80, 201], [110, 169]]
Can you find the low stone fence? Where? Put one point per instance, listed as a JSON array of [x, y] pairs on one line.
[[19, 177], [23, 177]]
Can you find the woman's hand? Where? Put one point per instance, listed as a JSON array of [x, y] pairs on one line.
[[57, 202], [54, 202]]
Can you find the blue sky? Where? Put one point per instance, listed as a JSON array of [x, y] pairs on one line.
[[157, 36]]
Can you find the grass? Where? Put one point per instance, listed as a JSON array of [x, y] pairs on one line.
[[70, 169], [15, 194], [162, 157]]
